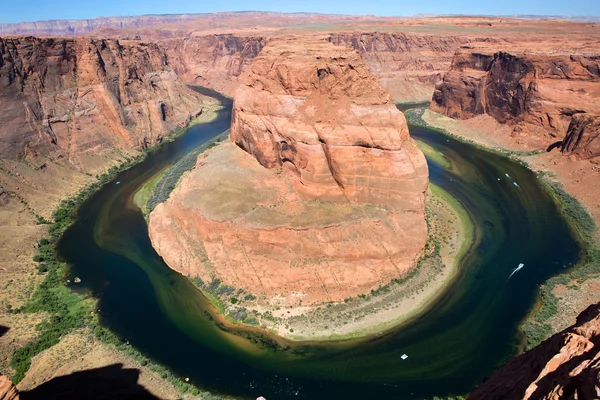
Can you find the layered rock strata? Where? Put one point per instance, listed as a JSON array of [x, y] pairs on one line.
[[70, 97], [583, 136], [566, 366], [536, 93], [215, 61], [319, 197], [407, 65], [7, 390]]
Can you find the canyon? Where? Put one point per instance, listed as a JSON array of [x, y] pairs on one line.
[[321, 163], [292, 179]]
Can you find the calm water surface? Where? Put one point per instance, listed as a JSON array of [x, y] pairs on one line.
[[451, 347]]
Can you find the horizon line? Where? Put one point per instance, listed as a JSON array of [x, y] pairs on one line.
[[423, 15]]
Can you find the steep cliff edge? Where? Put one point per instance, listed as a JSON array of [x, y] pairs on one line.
[[407, 65], [583, 136], [215, 61], [566, 366], [537, 94], [72, 97], [322, 199]]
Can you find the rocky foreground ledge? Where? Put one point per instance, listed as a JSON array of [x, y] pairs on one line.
[[321, 195], [566, 366]]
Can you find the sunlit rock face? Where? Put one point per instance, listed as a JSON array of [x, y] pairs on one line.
[[566, 366], [537, 93], [316, 110], [75, 97], [320, 196]]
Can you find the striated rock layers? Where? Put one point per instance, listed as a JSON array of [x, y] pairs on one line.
[[566, 366], [583, 136], [407, 65], [71, 97], [7, 389], [537, 93], [215, 61], [320, 196]]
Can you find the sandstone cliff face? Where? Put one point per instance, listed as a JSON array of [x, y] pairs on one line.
[[537, 93], [566, 366], [326, 199], [215, 61], [71, 97], [407, 65], [7, 390], [583, 136], [327, 119]]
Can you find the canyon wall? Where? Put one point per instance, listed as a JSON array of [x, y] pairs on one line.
[[215, 61], [71, 97], [583, 136], [320, 196], [566, 366], [407, 65], [536, 93]]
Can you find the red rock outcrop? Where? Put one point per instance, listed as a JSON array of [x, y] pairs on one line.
[[407, 65], [322, 115], [70, 97], [326, 201], [537, 93], [583, 136], [7, 390], [566, 366]]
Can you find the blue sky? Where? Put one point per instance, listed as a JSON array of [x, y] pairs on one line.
[[36, 10]]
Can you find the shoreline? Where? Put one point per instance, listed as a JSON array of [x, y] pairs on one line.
[[544, 318], [141, 197], [82, 305], [373, 313]]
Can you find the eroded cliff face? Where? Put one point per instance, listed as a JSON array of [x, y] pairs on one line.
[[214, 61], [407, 65], [330, 122], [323, 196], [566, 366], [7, 390], [536, 93], [583, 136], [72, 97]]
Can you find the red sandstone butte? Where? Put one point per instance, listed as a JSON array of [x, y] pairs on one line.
[[322, 198]]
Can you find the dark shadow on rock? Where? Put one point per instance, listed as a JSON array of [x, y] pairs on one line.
[[3, 330], [554, 145], [110, 382]]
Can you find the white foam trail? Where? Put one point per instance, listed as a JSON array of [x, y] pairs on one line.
[[516, 270]]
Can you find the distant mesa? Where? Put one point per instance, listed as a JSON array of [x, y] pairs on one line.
[[320, 195]]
